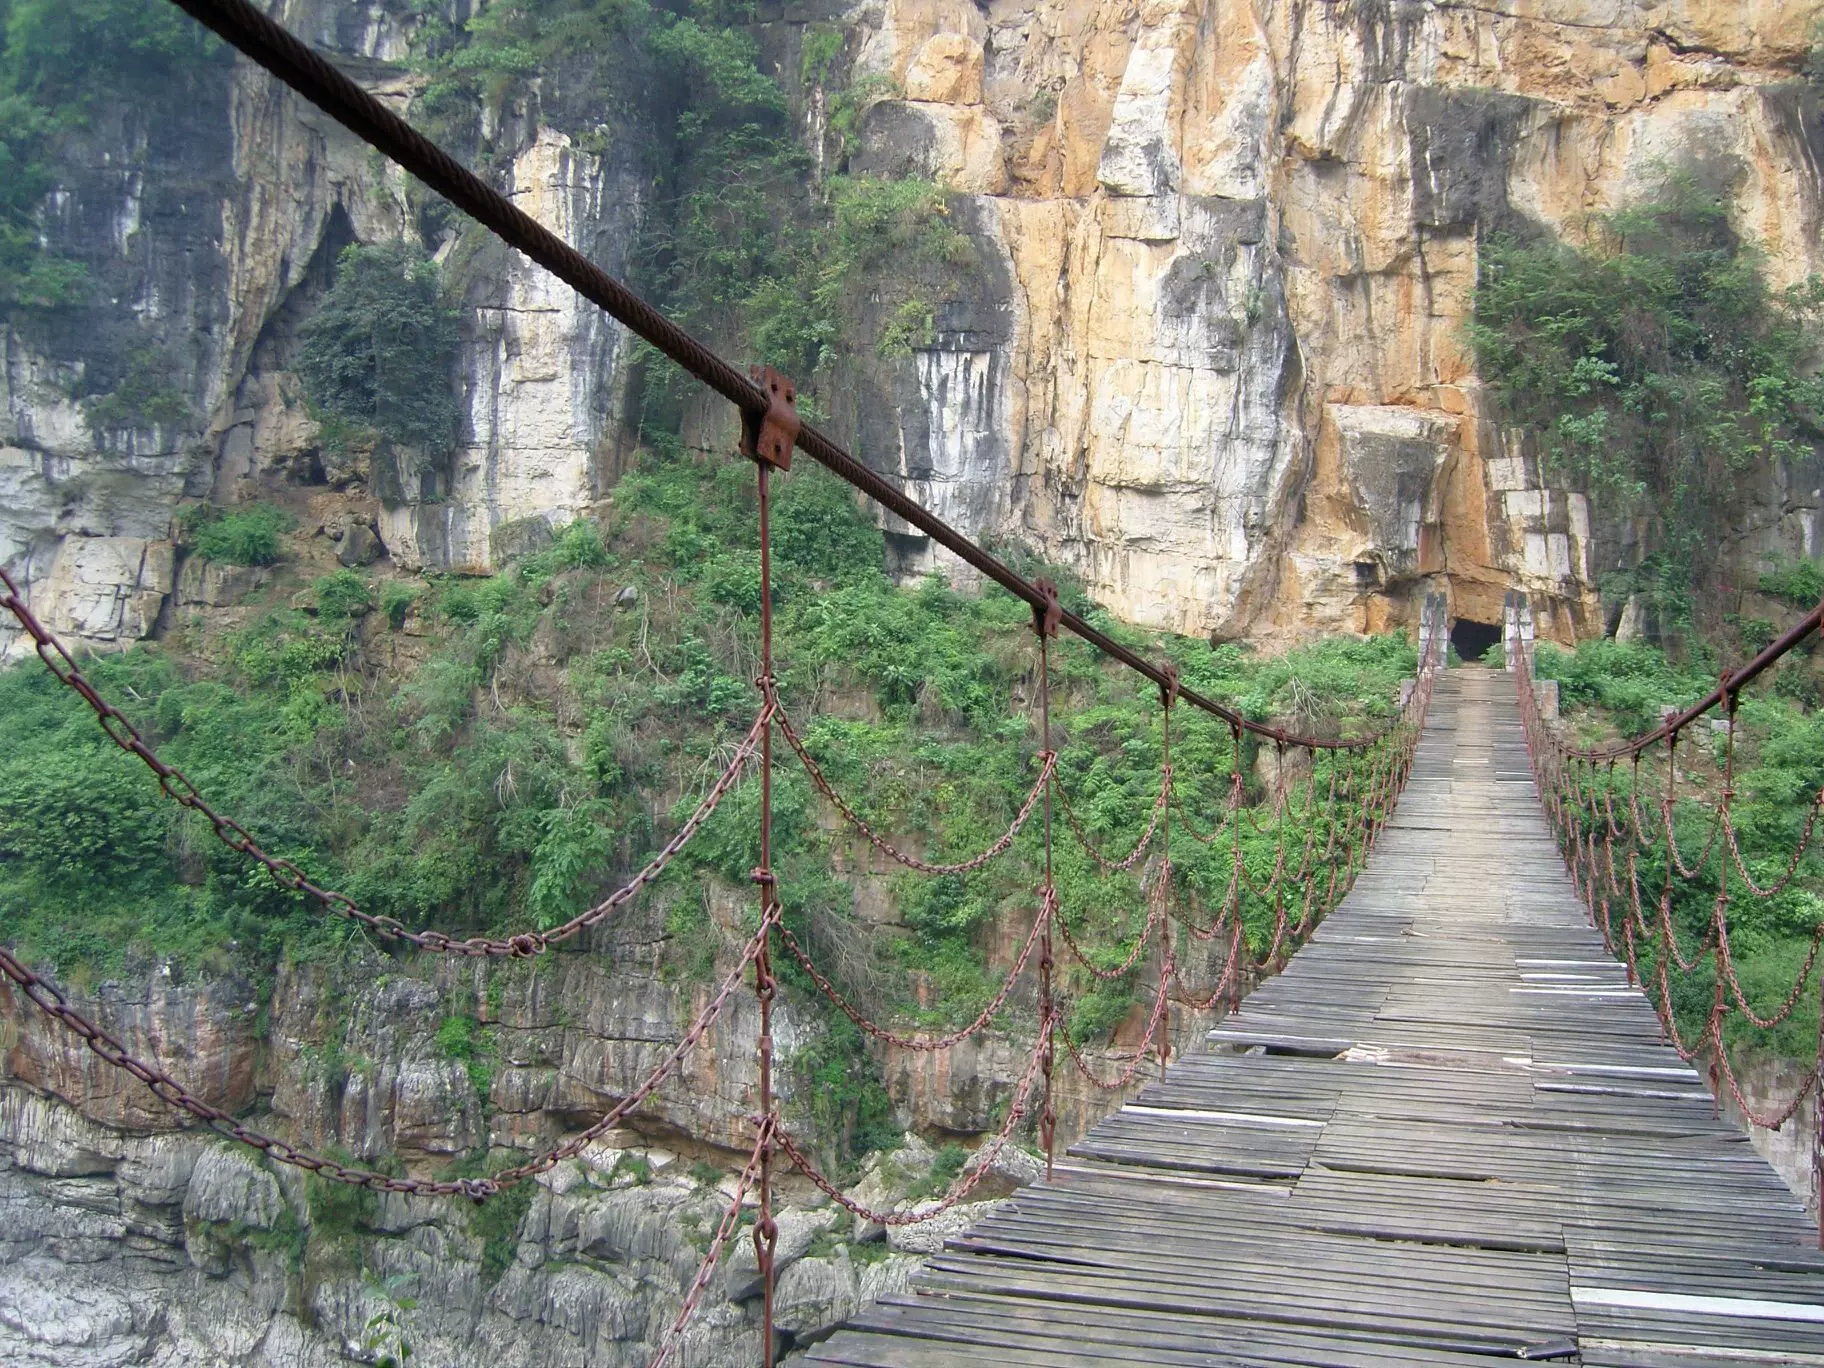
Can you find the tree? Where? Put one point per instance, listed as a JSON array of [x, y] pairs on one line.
[[380, 351]]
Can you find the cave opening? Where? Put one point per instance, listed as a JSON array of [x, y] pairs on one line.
[[1472, 639]]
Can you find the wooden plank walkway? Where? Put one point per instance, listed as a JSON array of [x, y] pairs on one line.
[[1447, 1133]]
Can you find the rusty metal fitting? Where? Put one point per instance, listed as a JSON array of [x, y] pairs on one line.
[[1168, 691], [1048, 612], [769, 437]]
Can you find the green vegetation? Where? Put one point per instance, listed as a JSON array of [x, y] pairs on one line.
[[342, 597], [496, 1224], [946, 1164], [1779, 769], [848, 1105], [552, 740], [635, 1166], [460, 1038], [1628, 683], [240, 536], [378, 354], [1658, 366], [1799, 583], [340, 1215], [144, 397], [744, 242]]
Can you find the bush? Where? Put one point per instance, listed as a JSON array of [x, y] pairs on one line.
[[396, 602], [496, 1223], [1631, 681], [1800, 583], [342, 597], [381, 350], [91, 820], [243, 536], [1657, 366], [144, 397]]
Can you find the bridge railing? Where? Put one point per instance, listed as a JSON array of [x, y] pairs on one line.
[[1646, 856], [1290, 864]]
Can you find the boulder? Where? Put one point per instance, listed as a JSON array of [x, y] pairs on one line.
[[797, 1229], [359, 546], [927, 1237]]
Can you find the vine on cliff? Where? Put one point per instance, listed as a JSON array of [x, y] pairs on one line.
[[749, 239], [1658, 366], [378, 354]]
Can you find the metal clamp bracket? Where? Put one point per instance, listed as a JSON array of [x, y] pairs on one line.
[[769, 437], [1048, 612]]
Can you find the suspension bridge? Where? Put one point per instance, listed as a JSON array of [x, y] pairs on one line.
[[1450, 1130], [1465, 1120]]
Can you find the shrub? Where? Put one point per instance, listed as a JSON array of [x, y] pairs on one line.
[[396, 600], [496, 1223], [1630, 680], [242, 536], [1657, 365], [144, 396], [381, 349], [342, 597], [1800, 583]]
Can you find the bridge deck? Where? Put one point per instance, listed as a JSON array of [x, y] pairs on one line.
[[1447, 1132]]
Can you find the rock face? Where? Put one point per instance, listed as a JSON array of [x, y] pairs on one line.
[[215, 228], [1242, 240], [124, 1239], [1213, 357], [120, 1248]]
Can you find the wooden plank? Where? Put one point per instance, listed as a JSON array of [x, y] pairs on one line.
[[1449, 1130]]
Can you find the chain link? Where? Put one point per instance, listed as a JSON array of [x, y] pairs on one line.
[[1048, 761]]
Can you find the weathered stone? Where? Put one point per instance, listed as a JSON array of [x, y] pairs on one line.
[[797, 1229], [521, 537], [212, 584], [928, 1236], [228, 1185], [1010, 1167], [359, 546]]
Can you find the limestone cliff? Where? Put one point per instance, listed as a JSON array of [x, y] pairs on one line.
[[1212, 357], [1232, 386]]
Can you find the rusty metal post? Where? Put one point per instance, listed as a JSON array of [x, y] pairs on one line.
[[1045, 626], [767, 441]]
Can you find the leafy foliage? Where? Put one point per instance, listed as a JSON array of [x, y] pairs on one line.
[[145, 396], [1630, 682], [1779, 769], [560, 731], [239, 536], [746, 241], [1657, 365], [380, 350], [1800, 583]]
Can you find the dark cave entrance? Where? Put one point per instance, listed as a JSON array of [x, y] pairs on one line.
[[1472, 639]]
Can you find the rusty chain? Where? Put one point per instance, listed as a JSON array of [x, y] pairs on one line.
[[1048, 762], [730, 1222], [1580, 807], [965, 1183]]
